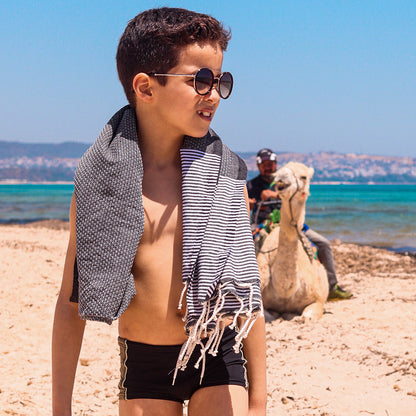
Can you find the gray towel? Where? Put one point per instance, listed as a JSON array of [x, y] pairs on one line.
[[220, 273]]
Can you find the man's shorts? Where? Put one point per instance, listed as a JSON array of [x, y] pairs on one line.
[[147, 370]]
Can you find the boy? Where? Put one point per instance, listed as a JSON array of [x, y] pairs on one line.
[[159, 219]]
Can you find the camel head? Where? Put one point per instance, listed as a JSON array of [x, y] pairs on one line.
[[292, 180]]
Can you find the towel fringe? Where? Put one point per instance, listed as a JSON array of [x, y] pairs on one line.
[[185, 287], [200, 330]]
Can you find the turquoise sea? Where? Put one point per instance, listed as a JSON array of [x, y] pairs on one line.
[[379, 215]]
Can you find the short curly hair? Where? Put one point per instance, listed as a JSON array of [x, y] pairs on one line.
[[152, 42]]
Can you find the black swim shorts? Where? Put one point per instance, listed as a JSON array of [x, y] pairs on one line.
[[147, 370]]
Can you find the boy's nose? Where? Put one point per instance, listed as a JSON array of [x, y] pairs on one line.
[[213, 95]]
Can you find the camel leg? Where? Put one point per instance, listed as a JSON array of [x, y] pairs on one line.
[[313, 311]]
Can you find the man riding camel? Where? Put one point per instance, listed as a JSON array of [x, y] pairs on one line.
[[265, 205]]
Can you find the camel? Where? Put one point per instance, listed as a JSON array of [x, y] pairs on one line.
[[292, 281]]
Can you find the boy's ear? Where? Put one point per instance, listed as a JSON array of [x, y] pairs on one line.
[[142, 87]]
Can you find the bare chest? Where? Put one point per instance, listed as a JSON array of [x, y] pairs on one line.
[[157, 271]]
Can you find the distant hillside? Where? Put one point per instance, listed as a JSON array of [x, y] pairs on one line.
[[10, 150], [40, 162], [350, 167]]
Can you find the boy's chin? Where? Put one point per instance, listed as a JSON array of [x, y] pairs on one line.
[[198, 132]]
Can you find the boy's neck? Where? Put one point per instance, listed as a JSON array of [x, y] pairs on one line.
[[158, 147]]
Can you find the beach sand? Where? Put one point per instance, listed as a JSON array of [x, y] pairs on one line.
[[359, 359]]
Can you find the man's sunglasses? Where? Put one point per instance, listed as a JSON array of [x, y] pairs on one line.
[[204, 81]]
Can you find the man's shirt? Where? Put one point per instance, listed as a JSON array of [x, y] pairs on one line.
[[255, 187]]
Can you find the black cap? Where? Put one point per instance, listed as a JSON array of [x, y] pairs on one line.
[[266, 154]]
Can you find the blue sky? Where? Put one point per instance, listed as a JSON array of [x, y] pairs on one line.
[[309, 75]]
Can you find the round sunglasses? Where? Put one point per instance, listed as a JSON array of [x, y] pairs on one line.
[[204, 81]]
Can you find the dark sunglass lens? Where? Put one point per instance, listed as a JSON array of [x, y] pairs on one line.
[[204, 79], [225, 85]]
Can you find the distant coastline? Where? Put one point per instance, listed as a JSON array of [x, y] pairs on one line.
[[56, 163]]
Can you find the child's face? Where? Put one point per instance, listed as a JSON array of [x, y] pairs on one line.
[[181, 109]]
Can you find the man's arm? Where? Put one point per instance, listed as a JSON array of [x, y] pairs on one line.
[[254, 348], [267, 194], [68, 330]]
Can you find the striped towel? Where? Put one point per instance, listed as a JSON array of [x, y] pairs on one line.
[[220, 274]]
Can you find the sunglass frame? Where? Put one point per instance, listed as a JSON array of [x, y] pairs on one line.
[[213, 79]]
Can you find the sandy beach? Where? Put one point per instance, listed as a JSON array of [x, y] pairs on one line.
[[359, 359]]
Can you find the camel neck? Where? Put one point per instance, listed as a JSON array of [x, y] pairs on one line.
[[290, 217]]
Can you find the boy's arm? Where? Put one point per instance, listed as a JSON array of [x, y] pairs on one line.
[[68, 330], [254, 348]]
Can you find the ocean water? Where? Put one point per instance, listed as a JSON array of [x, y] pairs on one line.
[[27, 203], [379, 215]]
